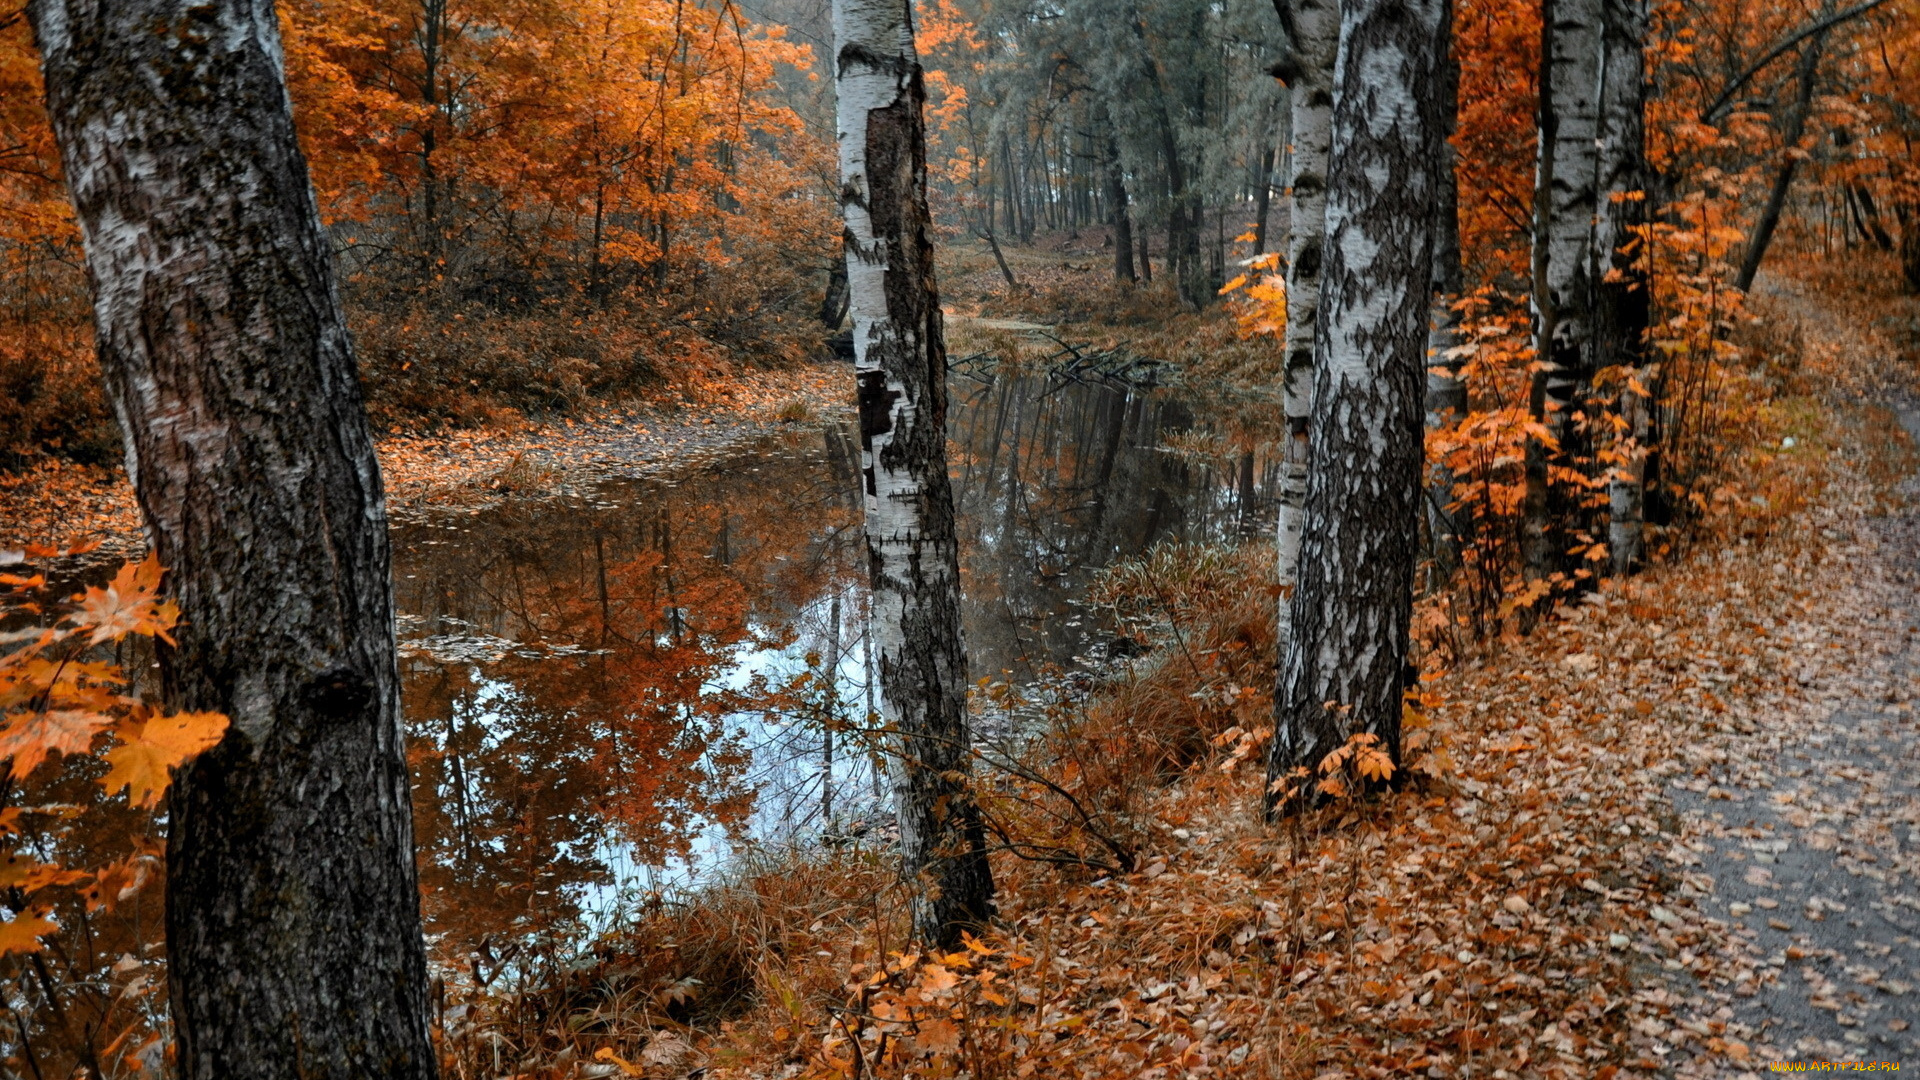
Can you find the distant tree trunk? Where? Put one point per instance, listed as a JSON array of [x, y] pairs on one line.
[[1869, 217], [1623, 297], [1263, 199], [292, 910], [1790, 133], [912, 550], [833, 306], [1116, 200], [1446, 400], [1909, 216], [1343, 666], [1313, 32], [1146, 257], [1565, 270]]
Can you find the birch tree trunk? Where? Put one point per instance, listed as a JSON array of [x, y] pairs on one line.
[[1342, 668], [1622, 296], [292, 913], [1565, 267], [1313, 33], [912, 551]]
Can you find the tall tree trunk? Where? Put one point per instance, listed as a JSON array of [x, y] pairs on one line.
[[1116, 179], [1446, 400], [1790, 134], [1313, 32], [1343, 667], [912, 550], [1623, 301], [1565, 270], [293, 919], [1909, 217], [1262, 198]]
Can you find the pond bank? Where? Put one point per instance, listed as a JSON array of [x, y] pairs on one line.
[[61, 503]]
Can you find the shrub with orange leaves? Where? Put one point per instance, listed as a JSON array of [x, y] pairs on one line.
[[59, 701]]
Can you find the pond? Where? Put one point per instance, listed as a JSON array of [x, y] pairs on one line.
[[608, 693]]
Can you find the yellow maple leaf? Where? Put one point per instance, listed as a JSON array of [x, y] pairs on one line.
[[130, 604], [164, 742], [30, 737], [22, 933]]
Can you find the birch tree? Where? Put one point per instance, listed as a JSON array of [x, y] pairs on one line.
[[1313, 38], [1622, 296], [900, 357], [292, 913], [1564, 264], [1342, 668]]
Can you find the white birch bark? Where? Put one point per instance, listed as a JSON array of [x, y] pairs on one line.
[[1622, 299], [1342, 671], [1313, 27], [1566, 265], [900, 357]]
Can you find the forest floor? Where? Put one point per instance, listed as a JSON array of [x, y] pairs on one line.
[[1673, 832]]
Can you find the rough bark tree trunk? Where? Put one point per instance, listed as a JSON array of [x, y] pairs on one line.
[[1623, 298], [912, 550], [293, 921], [1313, 31], [1342, 671]]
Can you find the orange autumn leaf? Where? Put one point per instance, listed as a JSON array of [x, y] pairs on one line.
[[162, 743], [22, 933], [130, 604], [30, 738]]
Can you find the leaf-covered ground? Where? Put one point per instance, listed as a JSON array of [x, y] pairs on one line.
[[1592, 890]]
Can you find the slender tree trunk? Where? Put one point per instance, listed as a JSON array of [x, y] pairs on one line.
[[912, 551], [1117, 200], [1790, 134], [1446, 400], [1313, 29], [1909, 216], [1343, 669], [293, 921], [1623, 298], [1566, 271], [1263, 199]]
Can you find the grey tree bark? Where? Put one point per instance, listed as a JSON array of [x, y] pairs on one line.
[[1313, 35], [293, 924], [1565, 268], [1342, 668], [1622, 294], [912, 550]]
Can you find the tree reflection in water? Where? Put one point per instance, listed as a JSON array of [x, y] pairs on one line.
[[607, 692]]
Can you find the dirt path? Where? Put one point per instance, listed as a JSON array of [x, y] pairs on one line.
[[1803, 820]]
